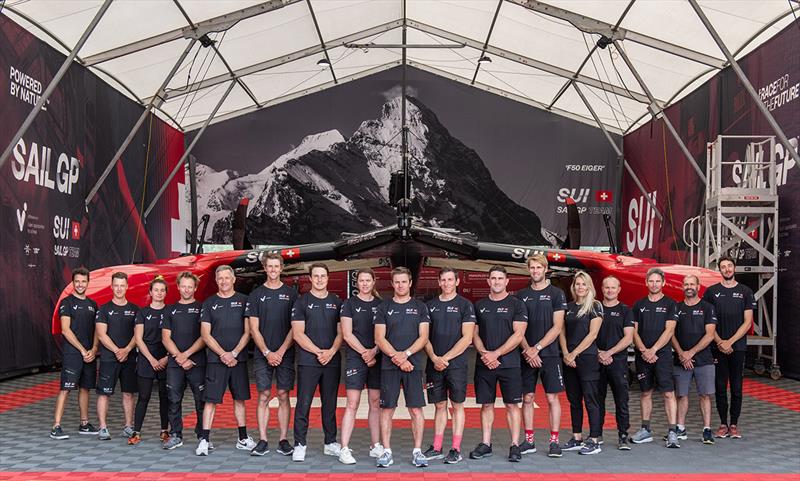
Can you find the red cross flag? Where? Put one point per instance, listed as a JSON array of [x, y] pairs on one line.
[[290, 253], [603, 196], [76, 230]]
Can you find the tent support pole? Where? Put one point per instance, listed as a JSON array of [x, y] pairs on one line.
[[616, 148], [51, 87], [156, 101], [655, 110], [188, 151], [746, 82]]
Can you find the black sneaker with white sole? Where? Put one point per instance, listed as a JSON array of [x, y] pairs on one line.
[[527, 448], [572, 445], [87, 429], [261, 448], [708, 436], [514, 454], [555, 450], [481, 451], [433, 453], [58, 433], [453, 457], [285, 448], [623, 444]]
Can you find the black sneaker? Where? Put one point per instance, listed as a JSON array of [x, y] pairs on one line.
[[572, 445], [590, 447], [623, 445], [527, 448], [285, 448], [87, 429], [481, 451], [453, 457], [261, 448], [514, 454], [555, 450], [708, 436], [58, 433], [432, 453]]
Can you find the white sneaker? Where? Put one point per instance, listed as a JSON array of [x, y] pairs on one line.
[[202, 448], [299, 453], [376, 451], [346, 456], [246, 444], [332, 449]]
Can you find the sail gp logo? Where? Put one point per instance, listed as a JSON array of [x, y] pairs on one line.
[[641, 223], [21, 216]]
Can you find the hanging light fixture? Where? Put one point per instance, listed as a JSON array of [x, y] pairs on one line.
[[324, 62], [485, 59]]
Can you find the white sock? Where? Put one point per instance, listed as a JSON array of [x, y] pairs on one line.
[[416, 450], [681, 427], [387, 450]]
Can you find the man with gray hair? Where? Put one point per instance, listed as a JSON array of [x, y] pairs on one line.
[[654, 322], [224, 330], [696, 327]]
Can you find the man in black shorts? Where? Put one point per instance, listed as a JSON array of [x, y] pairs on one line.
[[224, 330], [734, 305], [501, 322], [451, 331], [316, 330], [269, 309], [693, 360], [114, 325], [545, 304], [401, 332], [180, 334], [654, 317], [79, 369], [616, 334]]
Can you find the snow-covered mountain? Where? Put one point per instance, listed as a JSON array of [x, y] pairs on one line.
[[329, 184]]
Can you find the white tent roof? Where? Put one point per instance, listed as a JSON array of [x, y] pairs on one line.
[[271, 49]]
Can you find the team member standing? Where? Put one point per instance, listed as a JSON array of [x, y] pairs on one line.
[[152, 361], [734, 305], [114, 326], [654, 318], [616, 334], [451, 331], [225, 333], [79, 369], [269, 309], [693, 334], [501, 322], [545, 304], [316, 330], [180, 334], [401, 332], [362, 366], [582, 372]]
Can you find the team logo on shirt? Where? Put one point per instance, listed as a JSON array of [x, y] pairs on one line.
[[150, 316], [236, 304], [483, 309], [174, 311], [128, 313], [453, 309], [358, 309], [193, 310], [525, 299], [310, 307], [329, 305], [412, 311], [111, 312], [433, 309], [661, 310], [215, 307], [264, 298], [717, 294], [643, 309], [613, 314], [737, 295], [544, 297], [283, 297], [390, 312], [502, 310]]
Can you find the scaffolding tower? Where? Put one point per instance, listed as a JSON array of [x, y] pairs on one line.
[[741, 220]]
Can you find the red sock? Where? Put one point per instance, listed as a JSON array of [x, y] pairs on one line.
[[553, 436], [529, 435], [457, 443], [438, 439]]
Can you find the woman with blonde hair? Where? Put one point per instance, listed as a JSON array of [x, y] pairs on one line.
[[582, 369]]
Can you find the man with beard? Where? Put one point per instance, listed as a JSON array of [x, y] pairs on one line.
[[693, 334], [79, 369], [735, 305], [545, 304]]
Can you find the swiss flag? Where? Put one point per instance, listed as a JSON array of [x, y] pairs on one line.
[[290, 253], [75, 230], [603, 196]]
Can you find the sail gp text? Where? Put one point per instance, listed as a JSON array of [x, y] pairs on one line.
[[591, 210]]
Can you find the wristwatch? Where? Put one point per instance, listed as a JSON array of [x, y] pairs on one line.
[[235, 354], [538, 347], [408, 353], [266, 352]]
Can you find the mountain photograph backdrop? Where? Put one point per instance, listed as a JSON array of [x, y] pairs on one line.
[[336, 180]]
